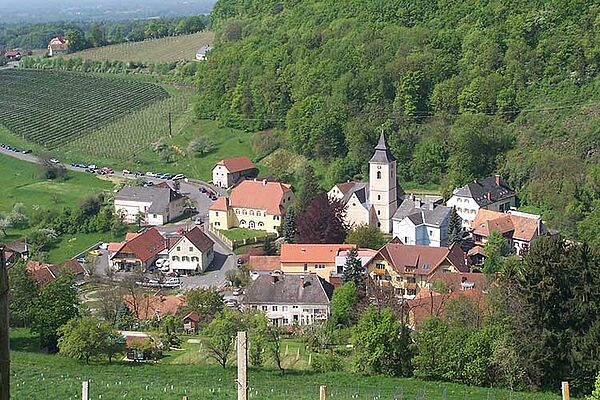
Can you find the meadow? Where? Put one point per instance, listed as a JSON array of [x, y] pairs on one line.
[[40, 376], [167, 49], [52, 108]]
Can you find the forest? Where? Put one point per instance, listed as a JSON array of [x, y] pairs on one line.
[[96, 34], [462, 90]]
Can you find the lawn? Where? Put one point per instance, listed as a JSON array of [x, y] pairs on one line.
[[20, 183], [40, 376], [69, 246], [168, 49], [242, 233]]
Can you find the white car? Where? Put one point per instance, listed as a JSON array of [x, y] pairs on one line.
[[173, 281], [177, 177], [104, 246], [54, 161], [151, 174], [93, 166], [126, 172], [165, 268], [161, 262], [237, 292]]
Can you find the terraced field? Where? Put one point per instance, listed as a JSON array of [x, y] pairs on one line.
[[52, 108]]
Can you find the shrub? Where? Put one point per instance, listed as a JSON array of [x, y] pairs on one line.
[[327, 363]]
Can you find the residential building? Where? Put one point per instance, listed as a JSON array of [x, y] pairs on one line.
[[149, 205], [202, 52], [263, 265], [156, 306], [193, 252], [422, 226], [252, 204], [408, 268], [43, 273], [373, 203], [142, 250], [191, 323], [289, 299], [519, 228], [58, 45], [13, 55], [492, 193], [320, 259], [16, 250], [230, 171], [461, 281]]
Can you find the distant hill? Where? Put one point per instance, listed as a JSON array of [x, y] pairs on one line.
[[171, 48]]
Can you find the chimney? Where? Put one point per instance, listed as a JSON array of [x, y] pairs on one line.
[[489, 196], [497, 180], [302, 281]]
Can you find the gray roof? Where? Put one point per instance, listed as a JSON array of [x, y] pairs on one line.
[[361, 190], [289, 289], [382, 153], [204, 49], [159, 197], [435, 217], [486, 191]]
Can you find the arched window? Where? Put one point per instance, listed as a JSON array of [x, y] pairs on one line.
[[195, 259], [185, 258], [245, 212], [251, 225], [251, 212], [243, 222], [378, 197], [260, 224], [175, 258], [378, 174]]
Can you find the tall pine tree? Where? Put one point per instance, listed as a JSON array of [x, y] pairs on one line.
[[454, 228], [289, 226], [353, 270]]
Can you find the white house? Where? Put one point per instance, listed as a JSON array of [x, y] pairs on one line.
[[289, 300], [373, 203], [57, 45], [154, 205], [492, 193], [422, 223], [230, 171], [193, 252], [202, 52]]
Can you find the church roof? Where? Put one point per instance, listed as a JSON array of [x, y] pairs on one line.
[[382, 153]]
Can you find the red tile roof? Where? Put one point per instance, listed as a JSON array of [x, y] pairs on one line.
[[144, 246], [237, 164], [192, 317], [264, 263], [259, 195], [43, 273], [221, 204], [157, 305], [518, 226], [422, 260], [311, 253], [198, 239]]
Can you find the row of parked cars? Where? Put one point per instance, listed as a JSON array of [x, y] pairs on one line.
[[11, 148]]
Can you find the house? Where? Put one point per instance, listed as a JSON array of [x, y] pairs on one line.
[[252, 204], [155, 306], [192, 252], [58, 45], [290, 300], [152, 205], [461, 281], [373, 203], [230, 171], [408, 268], [421, 224], [320, 259], [263, 264], [202, 52], [18, 248], [12, 55], [492, 193], [191, 323], [43, 273], [519, 228], [140, 251]]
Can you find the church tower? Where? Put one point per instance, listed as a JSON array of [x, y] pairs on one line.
[[382, 185]]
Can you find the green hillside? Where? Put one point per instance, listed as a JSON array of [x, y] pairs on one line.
[[463, 90], [51, 108]]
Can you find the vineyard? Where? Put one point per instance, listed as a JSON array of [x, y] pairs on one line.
[[52, 108]]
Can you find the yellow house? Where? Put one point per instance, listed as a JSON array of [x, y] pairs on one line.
[[253, 204], [408, 268], [320, 259]]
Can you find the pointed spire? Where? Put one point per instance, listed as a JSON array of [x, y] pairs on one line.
[[382, 153]]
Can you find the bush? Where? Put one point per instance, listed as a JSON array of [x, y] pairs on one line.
[[201, 146], [327, 363]]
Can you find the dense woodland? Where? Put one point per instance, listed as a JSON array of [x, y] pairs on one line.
[[84, 35], [462, 89]]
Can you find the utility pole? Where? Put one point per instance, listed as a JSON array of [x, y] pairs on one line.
[[170, 126], [85, 390], [242, 361], [4, 338], [566, 395], [323, 392]]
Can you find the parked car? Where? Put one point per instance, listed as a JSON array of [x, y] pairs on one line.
[[198, 220], [178, 176], [26, 151], [161, 261], [151, 174], [92, 166], [126, 172], [95, 253], [54, 161], [81, 260], [173, 281], [104, 246], [237, 292], [202, 189], [231, 303]]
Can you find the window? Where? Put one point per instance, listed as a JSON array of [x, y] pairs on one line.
[[245, 212], [378, 174], [243, 222], [378, 212], [274, 308], [320, 266], [237, 211], [190, 248], [406, 239], [284, 308], [430, 232], [251, 212], [175, 258], [378, 197], [294, 306], [178, 248], [258, 213], [185, 258], [216, 213], [305, 267], [217, 224], [260, 224], [264, 308], [380, 266]]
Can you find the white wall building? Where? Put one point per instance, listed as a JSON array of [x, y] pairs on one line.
[[157, 205], [193, 252]]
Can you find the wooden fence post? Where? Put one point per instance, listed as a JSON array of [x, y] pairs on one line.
[[242, 360], [323, 392], [4, 333], [565, 391], [85, 390]]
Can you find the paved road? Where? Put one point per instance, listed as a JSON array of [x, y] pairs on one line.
[[224, 259]]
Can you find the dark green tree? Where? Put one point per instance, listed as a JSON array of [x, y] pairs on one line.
[[367, 237], [268, 247], [354, 271], [454, 228], [308, 188], [343, 304], [496, 248], [23, 290], [289, 226]]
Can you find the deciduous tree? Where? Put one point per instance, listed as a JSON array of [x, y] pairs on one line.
[[322, 222], [366, 236]]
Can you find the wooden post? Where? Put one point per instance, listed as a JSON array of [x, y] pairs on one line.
[[242, 361], [565, 391], [85, 390], [4, 334], [323, 392]]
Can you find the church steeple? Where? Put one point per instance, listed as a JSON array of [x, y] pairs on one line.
[[382, 153]]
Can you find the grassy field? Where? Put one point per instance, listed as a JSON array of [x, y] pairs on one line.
[[168, 49], [51, 108], [70, 245], [242, 233], [40, 376]]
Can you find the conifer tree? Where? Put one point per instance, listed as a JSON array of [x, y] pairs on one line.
[[353, 270], [289, 226], [454, 228]]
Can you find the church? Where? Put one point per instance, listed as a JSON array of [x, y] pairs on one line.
[[373, 203]]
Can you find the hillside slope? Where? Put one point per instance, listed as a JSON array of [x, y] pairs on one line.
[[463, 90]]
